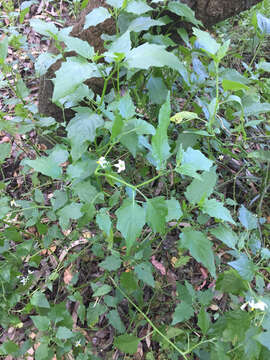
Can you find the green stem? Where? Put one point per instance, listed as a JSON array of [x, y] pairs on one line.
[[149, 321], [217, 100]]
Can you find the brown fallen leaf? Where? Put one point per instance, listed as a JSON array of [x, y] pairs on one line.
[[158, 265], [68, 275]]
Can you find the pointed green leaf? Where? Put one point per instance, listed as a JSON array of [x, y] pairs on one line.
[[182, 312], [184, 11], [199, 247], [78, 71], [96, 16], [244, 266], [102, 290], [64, 333], [144, 273], [128, 344], [226, 235], [174, 209], [137, 7], [111, 263], [247, 219], [115, 321], [231, 282], [130, 221], [42, 323], [70, 211], [39, 299], [206, 41], [144, 23], [147, 55], [201, 188], [156, 213], [81, 129], [81, 47], [203, 320], [160, 145], [44, 27], [216, 209]]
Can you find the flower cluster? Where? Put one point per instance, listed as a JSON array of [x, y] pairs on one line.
[[259, 305], [104, 164]]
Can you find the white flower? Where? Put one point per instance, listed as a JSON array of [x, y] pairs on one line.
[[102, 162], [121, 166], [24, 280], [78, 343], [221, 157], [260, 305]]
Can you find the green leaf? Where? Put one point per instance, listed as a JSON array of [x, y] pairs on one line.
[[193, 161], [8, 348], [78, 71], [111, 263], [157, 90], [216, 209], [199, 247], [184, 11], [263, 155], [231, 282], [140, 127], [226, 235], [174, 209], [138, 7], [128, 344], [117, 4], [44, 27], [156, 213], [96, 16], [82, 129], [263, 23], [203, 320], [182, 312], [115, 321], [13, 234], [147, 55], [3, 49], [39, 299], [144, 273], [44, 61], [233, 85], [126, 107], [5, 149], [102, 290], [4, 206], [263, 338], [104, 221], [42, 323], [70, 211], [206, 41], [143, 23], [82, 169], [42, 352], [86, 191], [128, 281], [21, 89], [247, 219], [93, 313], [252, 347], [201, 188], [130, 221], [46, 166], [160, 145], [120, 45], [64, 333], [80, 46], [244, 266]]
